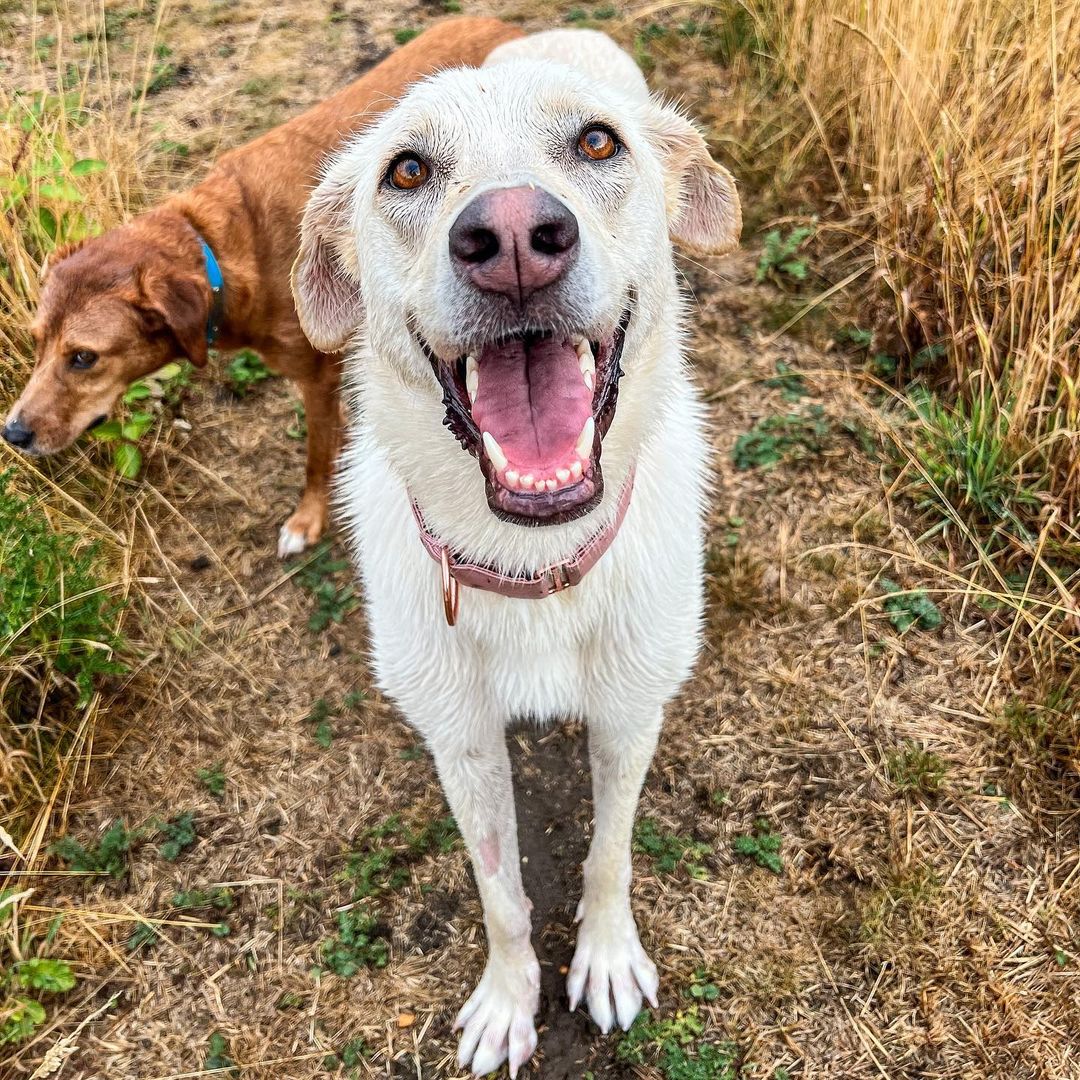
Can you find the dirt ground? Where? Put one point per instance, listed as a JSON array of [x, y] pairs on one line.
[[924, 922]]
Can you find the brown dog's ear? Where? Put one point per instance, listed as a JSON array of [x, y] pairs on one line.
[[325, 275], [180, 305], [704, 213]]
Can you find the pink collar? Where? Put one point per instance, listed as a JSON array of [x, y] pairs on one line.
[[553, 579]]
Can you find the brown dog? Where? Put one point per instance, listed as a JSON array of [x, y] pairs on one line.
[[119, 306]]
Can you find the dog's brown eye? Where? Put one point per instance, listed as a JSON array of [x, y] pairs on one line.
[[409, 172], [597, 144], [81, 359]]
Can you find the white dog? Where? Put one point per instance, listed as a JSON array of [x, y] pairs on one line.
[[503, 236]]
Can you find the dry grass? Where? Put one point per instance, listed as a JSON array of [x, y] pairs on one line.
[[938, 148], [923, 783]]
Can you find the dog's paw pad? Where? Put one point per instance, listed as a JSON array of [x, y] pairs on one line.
[[611, 971], [497, 1021]]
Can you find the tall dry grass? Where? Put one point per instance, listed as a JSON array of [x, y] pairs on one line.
[[71, 130], [939, 140]]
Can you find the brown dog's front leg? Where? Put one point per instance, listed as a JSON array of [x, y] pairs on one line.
[[323, 412]]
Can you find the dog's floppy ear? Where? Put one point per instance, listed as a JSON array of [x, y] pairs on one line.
[[704, 215], [325, 275], [180, 305]]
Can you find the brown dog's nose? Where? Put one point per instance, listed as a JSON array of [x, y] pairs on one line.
[[514, 241], [16, 433]]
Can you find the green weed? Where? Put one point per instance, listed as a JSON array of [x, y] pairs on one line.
[[405, 35], [789, 437], [701, 987], [320, 715], [909, 607], [359, 942], [674, 1046], [213, 779], [384, 854], [349, 1056], [108, 856], [179, 835], [216, 898], [781, 257], [122, 435], [246, 370], [762, 845], [788, 381], [57, 620], [669, 850], [217, 1055], [21, 1016], [912, 768], [142, 937], [333, 601]]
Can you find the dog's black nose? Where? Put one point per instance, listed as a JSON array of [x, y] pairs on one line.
[[16, 433], [514, 241]]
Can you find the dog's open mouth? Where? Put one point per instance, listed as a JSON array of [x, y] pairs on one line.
[[533, 408]]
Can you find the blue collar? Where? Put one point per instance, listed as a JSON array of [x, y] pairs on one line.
[[217, 287]]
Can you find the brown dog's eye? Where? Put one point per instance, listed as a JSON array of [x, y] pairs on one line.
[[409, 172], [598, 144], [81, 359]]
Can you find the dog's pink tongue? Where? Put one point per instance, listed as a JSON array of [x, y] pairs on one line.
[[533, 400]]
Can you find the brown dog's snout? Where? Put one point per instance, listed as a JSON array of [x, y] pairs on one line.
[[18, 434], [514, 241]]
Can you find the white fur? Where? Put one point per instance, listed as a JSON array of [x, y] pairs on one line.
[[612, 650], [290, 542]]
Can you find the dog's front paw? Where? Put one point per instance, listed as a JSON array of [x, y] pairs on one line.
[[610, 968], [303, 529], [497, 1021]]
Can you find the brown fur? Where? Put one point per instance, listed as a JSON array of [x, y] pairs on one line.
[[138, 296]]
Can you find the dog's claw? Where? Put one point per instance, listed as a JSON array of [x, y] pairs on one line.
[[611, 971], [497, 1021]]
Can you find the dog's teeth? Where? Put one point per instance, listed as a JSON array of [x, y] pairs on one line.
[[550, 485], [576, 470], [540, 485], [472, 377], [583, 447], [511, 478], [562, 475], [526, 481], [586, 363], [494, 452]]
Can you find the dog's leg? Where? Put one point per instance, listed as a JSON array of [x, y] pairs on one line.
[[323, 414], [610, 968], [497, 1021]]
